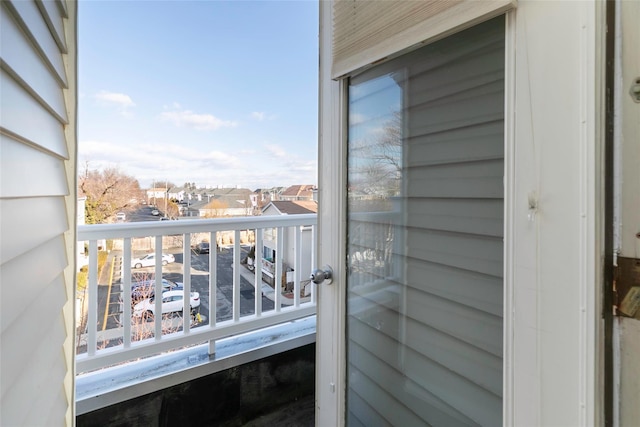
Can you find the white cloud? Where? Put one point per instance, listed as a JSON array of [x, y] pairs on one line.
[[258, 115], [275, 150], [261, 116], [120, 99], [204, 165], [355, 118], [197, 121]]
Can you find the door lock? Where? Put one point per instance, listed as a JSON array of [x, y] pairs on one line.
[[322, 275]]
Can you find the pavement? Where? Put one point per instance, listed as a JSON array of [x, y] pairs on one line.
[[267, 289]]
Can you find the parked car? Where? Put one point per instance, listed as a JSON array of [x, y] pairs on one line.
[[202, 248], [146, 288], [149, 260], [155, 212], [121, 216], [172, 301]]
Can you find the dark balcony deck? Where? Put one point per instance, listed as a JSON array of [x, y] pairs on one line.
[[274, 391]]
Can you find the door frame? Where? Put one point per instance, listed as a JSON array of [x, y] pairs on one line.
[[533, 357], [332, 219], [330, 335]]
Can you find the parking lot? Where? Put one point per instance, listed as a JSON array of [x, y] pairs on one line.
[[110, 297]]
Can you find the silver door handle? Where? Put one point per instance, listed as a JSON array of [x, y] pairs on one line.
[[322, 275]]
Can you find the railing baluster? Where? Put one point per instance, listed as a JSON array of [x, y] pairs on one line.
[[297, 265], [186, 281], [92, 317], [126, 291], [277, 280], [213, 286], [236, 276], [157, 318], [257, 271]]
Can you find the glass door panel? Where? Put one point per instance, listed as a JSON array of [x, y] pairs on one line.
[[424, 235]]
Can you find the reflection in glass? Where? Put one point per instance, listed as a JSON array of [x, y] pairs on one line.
[[424, 235]]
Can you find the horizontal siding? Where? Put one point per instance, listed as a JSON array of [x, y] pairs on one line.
[[24, 116], [62, 7], [447, 345], [43, 352], [425, 286], [36, 200], [476, 216], [19, 163], [34, 75], [33, 282], [362, 414], [469, 288], [373, 372], [31, 21], [471, 143], [465, 251], [54, 402], [52, 15], [481, 180], [28, 223], [48, 305]]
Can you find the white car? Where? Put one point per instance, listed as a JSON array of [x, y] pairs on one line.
[[172, 301], [149, 260], [142, 289], [121, 216]]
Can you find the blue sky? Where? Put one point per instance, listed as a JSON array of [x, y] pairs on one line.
[[220, 93]]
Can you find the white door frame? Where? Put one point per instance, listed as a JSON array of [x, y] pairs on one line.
[[330, 330], [552, 331]]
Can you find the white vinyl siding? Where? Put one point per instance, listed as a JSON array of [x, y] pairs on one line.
[[37, 205], [19, 163], [425, 281]]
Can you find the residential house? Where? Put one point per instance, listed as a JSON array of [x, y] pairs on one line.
[[482, 292], [225, 206], [177, 193], [297, 192], [293, 248], [262, 196], [156, 195]]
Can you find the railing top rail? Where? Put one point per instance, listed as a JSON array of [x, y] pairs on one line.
[[156, 228]]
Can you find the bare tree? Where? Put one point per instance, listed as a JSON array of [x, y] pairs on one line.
[[172, 209], [378, 169], [216, 208], [107, 192]]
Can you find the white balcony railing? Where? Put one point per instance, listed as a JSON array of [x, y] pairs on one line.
[[110, 334]]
